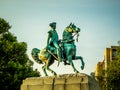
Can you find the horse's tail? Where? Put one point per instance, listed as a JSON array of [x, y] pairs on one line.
[[34, 55]]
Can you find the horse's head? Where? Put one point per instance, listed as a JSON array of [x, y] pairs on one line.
[[72, 28], [67, 34]]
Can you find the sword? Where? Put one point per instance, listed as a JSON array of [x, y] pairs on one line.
[[54, 57]]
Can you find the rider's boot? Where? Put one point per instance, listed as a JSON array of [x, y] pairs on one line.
[[66, 63], [60, 56]]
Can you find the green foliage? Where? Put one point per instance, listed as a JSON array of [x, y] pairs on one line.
[[101, 79], [113, 73], [14, 62], [4, 26]]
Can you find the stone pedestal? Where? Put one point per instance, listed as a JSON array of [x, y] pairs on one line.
[[61, 82]]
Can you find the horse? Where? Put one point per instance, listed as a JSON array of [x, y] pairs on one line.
[[68, 50], [70, 47]]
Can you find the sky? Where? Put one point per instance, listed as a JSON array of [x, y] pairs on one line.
[[99, 21]]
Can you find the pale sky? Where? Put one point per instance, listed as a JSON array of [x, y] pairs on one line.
[[99, 21]]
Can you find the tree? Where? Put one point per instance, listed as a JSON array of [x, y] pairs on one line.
[[4, 26], [14, 62], [113, 73]]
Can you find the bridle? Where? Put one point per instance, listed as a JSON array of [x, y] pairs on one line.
[[73, 31]]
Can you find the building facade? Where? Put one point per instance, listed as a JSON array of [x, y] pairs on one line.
[[101, 67], [109, 55]]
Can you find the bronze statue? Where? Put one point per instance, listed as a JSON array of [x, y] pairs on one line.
[[53, 40], [57, 49]]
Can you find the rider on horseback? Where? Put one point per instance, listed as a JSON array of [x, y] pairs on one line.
[[55, 47], [52, 41]]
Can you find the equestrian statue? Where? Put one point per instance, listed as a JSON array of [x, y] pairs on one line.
[[62, 50]]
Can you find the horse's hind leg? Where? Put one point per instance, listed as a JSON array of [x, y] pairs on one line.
[[83, 64], [44, 70], [47, 67], [54, 73]]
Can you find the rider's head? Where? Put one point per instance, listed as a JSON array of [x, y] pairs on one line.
[[53, 25]]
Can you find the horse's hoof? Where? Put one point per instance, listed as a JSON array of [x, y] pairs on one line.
[[76, 71], [46, 75], [55, 74], [82, 67]]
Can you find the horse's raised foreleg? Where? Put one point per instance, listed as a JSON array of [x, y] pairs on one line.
[[83, 64], [71, 63]]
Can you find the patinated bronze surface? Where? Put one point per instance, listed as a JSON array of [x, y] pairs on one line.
[[63, 50]]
